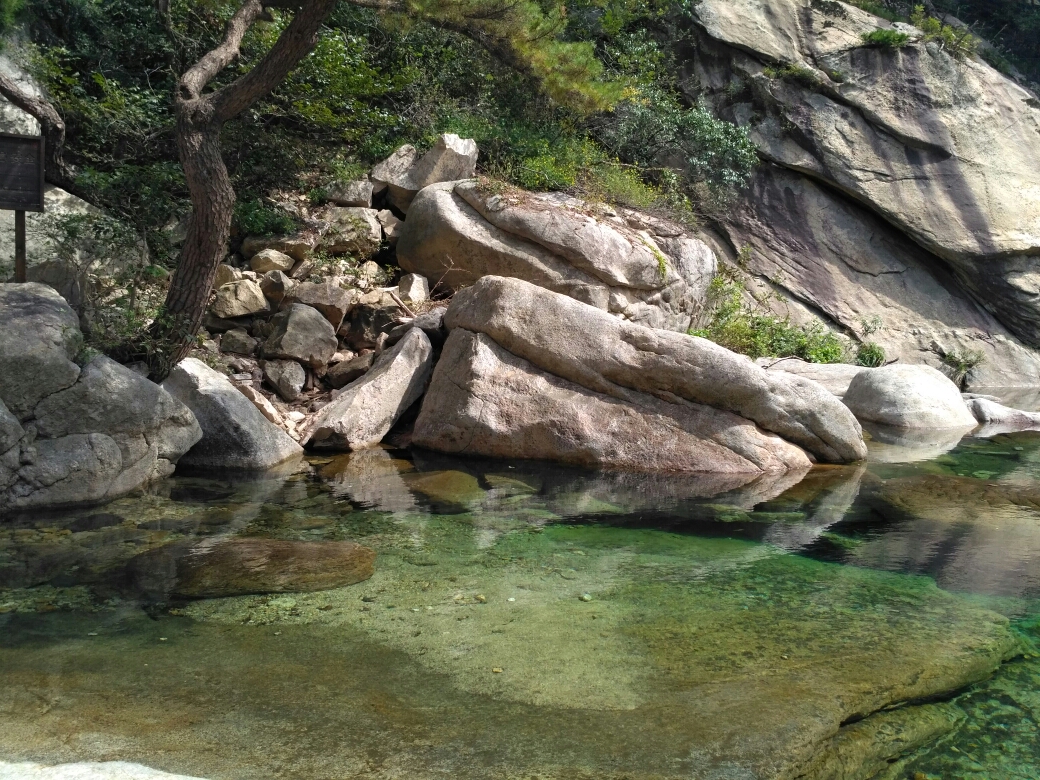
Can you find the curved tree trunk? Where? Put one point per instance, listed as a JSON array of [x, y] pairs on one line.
[[209, 227], [200, 118]]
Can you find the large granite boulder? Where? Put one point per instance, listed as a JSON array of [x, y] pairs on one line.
[[483, 400], [303, 334], [942, 148], [833, 257], [907, 397], [646, 271], [235, 434], [605, 354], [367, 409], [70, 435], [39, 338]]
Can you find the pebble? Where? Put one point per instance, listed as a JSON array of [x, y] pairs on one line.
[[585, 597], [481, 598], [497, 670], [162, 639], [510, 599], [92, 633]]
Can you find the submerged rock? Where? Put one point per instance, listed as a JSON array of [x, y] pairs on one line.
[[233, 567], [599, 352]]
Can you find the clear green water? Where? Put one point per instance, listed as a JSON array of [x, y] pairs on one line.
[[533, 621]]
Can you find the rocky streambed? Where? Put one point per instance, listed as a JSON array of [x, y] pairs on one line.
[[521, 619]]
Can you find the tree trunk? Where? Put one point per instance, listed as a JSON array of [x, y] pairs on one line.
[[209, 228], [200, 117]]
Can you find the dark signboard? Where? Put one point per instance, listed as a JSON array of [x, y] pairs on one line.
[[21, 172]]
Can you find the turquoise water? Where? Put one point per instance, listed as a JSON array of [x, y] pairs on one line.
[[526, 620]]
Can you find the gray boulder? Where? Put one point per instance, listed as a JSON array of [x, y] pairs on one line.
[[621, 359], [235, 434], [354, 231], [239, 299], [39, 337], [276, 285], [431, 323], [413, 288], [993, 416], [299, 246], [271, 260], [139, 415], [456, 233], [237, 342], [81, 435], [375, 313], [367, 409], [287, 377], [485, 401], [302, 334], [956, 140], [352, 193], [226, 274], [327, 297], [836, 377], [907, 397], [342, 374], [451, 158], [392, 168]]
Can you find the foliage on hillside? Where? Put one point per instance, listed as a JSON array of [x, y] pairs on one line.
[[1011, 26], [376, 81]]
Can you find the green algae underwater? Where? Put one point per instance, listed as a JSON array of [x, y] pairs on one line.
[[532, 621]]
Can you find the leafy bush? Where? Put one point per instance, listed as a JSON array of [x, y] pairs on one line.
[[960, 363], [959, 43], [255, 218], [870, 355], [890, 39], [9, 10], [797, 74], [741, 328]]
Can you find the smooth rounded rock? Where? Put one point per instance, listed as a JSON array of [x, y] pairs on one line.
[[904, 396]]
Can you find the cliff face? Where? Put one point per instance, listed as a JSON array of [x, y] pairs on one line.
[[902, 183]]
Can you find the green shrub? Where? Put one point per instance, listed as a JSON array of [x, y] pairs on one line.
[[960, 363], [9, 11], [889, 39], [870, 355], [797, 74], [255, 218], [958, 42], [741, 328]]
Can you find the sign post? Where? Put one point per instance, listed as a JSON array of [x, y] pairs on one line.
[[21, 186]]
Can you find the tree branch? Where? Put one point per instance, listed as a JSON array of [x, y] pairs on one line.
[[296, 42], [52, 127], [206, 69]]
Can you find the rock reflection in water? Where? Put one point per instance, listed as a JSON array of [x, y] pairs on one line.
[[898, 445], [969, 534]]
